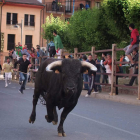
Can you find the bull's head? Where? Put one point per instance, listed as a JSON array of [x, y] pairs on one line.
[[71, 72]]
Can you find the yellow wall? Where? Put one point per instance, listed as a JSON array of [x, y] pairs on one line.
[[27, 30]]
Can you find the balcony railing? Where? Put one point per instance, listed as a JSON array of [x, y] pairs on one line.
[[54, 7]]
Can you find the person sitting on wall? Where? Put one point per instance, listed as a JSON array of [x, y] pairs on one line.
[[135, 60], [134, 43]]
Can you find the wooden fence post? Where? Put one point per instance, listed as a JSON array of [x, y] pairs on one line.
[[93, 52], [75, 53], [113, 77], [139, 73]]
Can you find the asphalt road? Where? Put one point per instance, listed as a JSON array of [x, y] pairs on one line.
[[92, 119]]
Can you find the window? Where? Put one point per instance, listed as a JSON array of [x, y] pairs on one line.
[[28, 41], [11, 18], [68, 5], [11, 42], [29, 20], [98, 4]]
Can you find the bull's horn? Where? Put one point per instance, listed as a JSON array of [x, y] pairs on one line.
[[87, 64], [53, 64]]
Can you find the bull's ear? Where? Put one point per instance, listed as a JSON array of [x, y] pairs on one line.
[[56, 69], [54, 66]]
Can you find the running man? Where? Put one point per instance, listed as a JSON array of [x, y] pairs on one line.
[[24, 64], [7, 68]]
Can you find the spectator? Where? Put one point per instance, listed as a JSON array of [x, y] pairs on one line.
[[134, 42], [120, 65], [85, 75], [87, 5], [41, 53], [91, 78], [108, 66], [25, 47], [58, 43], [97, 78], [10, 54], [18, 53], [81, 57], [104, 69], [51, 49], [7, 67], [135, 60], [14, 56]]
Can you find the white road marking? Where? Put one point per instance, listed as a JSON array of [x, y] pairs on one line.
[[86, 118], [122, 130]]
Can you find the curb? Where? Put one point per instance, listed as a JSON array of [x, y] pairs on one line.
[[122, 98]]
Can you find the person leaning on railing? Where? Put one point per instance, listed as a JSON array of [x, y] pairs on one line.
[[135, 60], [108, 66]]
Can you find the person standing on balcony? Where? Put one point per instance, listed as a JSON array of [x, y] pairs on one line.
[[58, 43], [134, 43]]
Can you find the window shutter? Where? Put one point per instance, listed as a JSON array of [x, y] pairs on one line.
[[32, 22], [26, 20], [8, 18], [14, 18]]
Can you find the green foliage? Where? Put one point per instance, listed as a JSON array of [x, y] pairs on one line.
[[96, 27]]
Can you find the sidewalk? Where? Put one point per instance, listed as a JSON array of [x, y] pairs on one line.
[[123, 98]]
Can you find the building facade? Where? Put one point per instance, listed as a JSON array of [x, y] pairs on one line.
[[20, 22], [65, 7]]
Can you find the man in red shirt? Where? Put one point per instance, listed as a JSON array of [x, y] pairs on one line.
[[134, 42]]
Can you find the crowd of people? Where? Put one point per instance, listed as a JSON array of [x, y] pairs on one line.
[[25, 56]]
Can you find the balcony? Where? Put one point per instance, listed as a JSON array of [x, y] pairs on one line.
[[55, 8]]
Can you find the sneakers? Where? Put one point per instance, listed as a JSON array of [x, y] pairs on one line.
[[20, 82], [95, 92], [6, 85], [86, 95], [20, 91]]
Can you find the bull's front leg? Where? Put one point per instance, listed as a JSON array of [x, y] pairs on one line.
[[35, 100], [64, 114], [50, 107]]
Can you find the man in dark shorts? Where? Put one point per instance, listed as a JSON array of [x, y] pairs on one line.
[[24, 64]]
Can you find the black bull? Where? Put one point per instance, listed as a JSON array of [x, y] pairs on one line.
[[61, 90]]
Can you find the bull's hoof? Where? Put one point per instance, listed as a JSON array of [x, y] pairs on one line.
[[54, 123], [32, 119], [47, 118], [62, 134]]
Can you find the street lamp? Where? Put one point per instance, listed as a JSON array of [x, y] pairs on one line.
[[21, 25]]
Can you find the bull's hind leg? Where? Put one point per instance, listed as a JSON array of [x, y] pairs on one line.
[[35, 100], [55, 116], [64, 114]]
